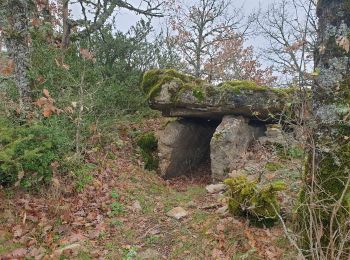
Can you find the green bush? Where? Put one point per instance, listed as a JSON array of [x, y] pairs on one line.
[[248, 198], [27, 151], [148, 144]]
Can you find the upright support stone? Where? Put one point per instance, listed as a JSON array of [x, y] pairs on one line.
[[182, 145], [230, 140]]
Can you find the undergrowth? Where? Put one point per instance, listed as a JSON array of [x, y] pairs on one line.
[[148, 144], [27, 152]]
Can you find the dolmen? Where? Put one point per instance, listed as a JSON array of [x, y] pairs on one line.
[[219, 120]]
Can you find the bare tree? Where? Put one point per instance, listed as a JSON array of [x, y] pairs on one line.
[[290, 26], [96, 13], [201, 26]]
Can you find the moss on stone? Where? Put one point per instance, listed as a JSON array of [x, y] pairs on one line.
[[333, 172], [259, 203], [154, 79], [242, 86], [148, 144], [198, 94]]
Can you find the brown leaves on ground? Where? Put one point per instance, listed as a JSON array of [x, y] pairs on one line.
[[100, 221], [7, 67]]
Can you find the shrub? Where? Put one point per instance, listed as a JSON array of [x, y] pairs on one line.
[[27, 151], [148, 144], [259, 203]]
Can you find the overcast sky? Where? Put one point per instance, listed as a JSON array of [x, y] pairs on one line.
[[126, 19]]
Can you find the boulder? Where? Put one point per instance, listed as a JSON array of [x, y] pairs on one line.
[[179, 95], [230, 140], [182, 145]]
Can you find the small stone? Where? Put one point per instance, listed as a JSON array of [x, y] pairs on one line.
[[136, 206], [222, 211], [177, 213], [150, 253], [191, 204], [215, 188], [154, 232]]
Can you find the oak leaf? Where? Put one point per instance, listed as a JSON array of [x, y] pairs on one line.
[[343, 42]]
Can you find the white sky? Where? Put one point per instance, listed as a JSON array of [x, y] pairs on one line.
[[126, 19]]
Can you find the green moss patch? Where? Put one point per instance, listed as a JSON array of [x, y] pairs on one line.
[[148, 144], [248, 198], [241, 86], [154, 79], [273, 166]]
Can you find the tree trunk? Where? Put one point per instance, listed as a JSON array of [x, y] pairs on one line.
[[327, 194], [16, 39], [66, 25]]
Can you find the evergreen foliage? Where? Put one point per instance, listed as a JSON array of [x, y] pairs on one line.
[[27, 152]]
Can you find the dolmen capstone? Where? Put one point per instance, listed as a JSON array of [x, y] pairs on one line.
[[221, 120]]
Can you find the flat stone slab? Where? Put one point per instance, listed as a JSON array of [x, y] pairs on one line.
[[180, 95]]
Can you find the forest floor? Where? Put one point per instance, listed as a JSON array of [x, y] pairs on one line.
[[102, 222]]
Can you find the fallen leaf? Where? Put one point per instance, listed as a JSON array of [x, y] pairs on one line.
[[17, 231], [343, 42], [46, 93]]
